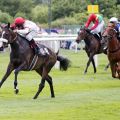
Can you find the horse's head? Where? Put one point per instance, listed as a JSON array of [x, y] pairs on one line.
[[108, 34], [7, 34], [82, 34]]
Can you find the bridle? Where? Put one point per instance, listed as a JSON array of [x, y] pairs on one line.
[[7, 41], [110, 36]]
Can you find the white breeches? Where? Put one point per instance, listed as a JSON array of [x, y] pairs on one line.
[[30, 35], [99, 28]]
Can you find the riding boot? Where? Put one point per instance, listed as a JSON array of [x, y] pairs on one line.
[[36, 48], [100, 35]]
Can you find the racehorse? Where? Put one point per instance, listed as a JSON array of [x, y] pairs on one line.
[[113, 53], [92, 46], [23, 58]]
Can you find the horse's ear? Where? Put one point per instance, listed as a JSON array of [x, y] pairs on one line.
[[8, 25]]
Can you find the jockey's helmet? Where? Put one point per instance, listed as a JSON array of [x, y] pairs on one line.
[[114, 20], [19, 21]]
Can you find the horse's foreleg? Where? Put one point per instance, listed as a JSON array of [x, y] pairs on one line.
[[16, 74], [113, 70], [107, 66], [16, 83], [88, 63], [49, 80], [10, 68], [93, 63]]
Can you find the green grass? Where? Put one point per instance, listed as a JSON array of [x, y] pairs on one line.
[[78, 96]]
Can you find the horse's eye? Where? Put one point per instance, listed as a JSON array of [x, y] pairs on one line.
[[6, 33], [105, 36]]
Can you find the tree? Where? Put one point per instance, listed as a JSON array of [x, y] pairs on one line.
[[108, 9], [62, 8], [5, 17], [14, 6], [40, 14]]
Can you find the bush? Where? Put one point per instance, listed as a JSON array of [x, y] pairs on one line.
[[81, 17], [40, 14], [64, 21], [20, 14], [5, 17]]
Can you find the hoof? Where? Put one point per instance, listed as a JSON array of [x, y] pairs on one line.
[[35, 97], [53, 96], [85, 72], [105, 69], [16, 91]]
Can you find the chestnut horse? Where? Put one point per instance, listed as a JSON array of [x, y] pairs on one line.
[[92, 46], [113, 53], [23, 58]]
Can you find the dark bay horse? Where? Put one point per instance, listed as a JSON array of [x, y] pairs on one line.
[[113, 53], [92, 46], [22, 58]]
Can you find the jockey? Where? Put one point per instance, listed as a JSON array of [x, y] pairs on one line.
[[117, 25], [29, 30], [98, 24]]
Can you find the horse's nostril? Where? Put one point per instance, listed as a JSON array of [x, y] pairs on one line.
[[77, 40]]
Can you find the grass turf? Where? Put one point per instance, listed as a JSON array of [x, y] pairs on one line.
[[78, 96]]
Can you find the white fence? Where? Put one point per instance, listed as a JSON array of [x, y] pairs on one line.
[[53, 41]]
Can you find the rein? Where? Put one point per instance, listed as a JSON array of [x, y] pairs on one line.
[[15, 38]]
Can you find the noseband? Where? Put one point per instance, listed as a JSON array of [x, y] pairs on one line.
[[2, 36]]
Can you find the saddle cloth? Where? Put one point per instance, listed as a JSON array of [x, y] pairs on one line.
[[44, 50]]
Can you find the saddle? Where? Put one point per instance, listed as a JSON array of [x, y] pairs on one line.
[[43, 50], [97, 36]]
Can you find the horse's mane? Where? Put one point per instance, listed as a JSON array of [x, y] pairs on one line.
[[88, 31]]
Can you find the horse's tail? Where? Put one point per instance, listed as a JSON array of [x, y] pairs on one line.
[[64, 63]]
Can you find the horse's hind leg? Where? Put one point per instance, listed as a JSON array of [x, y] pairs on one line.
[[42, 84], [49, 80], [10, 68]]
